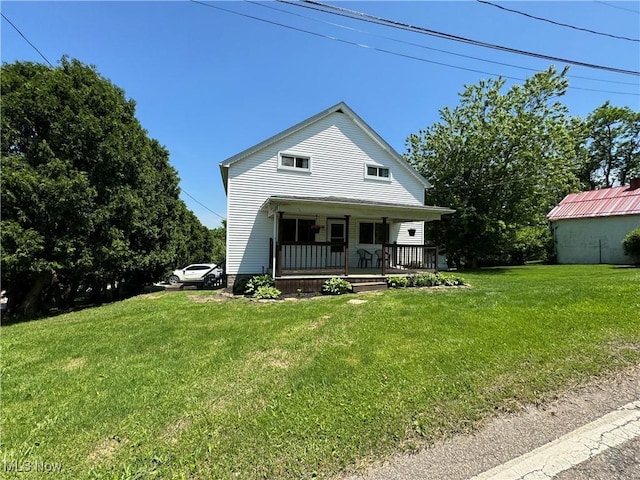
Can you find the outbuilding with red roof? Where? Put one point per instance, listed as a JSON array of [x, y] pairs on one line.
[[589, 227]]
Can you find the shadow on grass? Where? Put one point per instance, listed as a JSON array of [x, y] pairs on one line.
[[8, 320], [482, 270]]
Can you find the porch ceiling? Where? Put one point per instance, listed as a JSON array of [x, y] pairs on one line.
[[340, 206]]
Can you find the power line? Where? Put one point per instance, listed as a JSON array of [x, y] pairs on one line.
[[347, 41], [326, 8], [26, 39], [557, 23], [607, 4], [200, 203], [425, 47], [390, 52]]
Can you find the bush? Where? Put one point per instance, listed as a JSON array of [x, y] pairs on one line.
[[530, 243], [631, 245], [259, 281], [450, 280], [398, 282], [336, 286], [267, 292], [426, 279]]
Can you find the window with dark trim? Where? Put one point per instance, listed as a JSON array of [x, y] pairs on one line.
[[297, 230], [370, 233]]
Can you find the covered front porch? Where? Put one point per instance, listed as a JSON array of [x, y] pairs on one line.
[[333, 258], [329, 236]]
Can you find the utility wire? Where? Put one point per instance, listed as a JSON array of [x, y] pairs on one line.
[[200, 203], [425, 47], [354, 14], [607, 4], [26, 39], [557, 23], [412, 57], [347, 41], [46, 60]]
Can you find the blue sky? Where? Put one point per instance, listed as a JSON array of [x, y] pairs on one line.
[[209, 83]]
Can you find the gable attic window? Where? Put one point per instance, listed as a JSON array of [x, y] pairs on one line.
[[298, 163], [377, 172]]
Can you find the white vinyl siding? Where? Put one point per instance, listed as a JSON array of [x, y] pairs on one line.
[[339, 150]]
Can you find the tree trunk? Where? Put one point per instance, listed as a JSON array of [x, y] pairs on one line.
[[32, 302]]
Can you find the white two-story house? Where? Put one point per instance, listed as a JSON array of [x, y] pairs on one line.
[[326, 197]]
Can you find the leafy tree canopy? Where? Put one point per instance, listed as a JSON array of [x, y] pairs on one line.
[[88, 199], [502, 160], [613, 146]]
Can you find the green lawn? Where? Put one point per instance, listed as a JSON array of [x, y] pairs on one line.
[[184, 385]]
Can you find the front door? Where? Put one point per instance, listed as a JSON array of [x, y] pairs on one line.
[[337, 230]]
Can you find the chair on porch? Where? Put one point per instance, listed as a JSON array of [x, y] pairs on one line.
[[379, 258], [365, 258]]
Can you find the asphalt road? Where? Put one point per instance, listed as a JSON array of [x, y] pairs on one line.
[[507, 437], [621, 462]]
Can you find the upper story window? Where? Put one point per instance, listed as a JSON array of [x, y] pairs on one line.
[[299, 163], [378, 172]]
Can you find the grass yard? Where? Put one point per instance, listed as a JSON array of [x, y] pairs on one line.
[[193, 385]]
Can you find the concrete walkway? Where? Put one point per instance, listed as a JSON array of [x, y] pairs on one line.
[[595, 428]]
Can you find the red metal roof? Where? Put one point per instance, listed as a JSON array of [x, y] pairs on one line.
[[606, 202]]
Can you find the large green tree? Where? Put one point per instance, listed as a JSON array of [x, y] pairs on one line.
[[219, 235], [502, 159], [613, 145], [88, 199]]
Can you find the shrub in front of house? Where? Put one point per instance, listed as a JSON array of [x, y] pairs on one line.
[[336, 286], [266, 292], [258, 281], [449, 280], [631, 245], [398, 282], [426, 279]]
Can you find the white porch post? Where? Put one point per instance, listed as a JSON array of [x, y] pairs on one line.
[[275, 245]]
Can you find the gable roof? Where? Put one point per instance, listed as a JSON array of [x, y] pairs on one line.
[[606, 202], [338, 108]]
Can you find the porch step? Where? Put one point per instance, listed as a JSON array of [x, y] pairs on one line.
[[368, 286]]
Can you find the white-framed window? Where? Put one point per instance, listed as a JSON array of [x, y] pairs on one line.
[[294, 162], [371, 233], [377, 172]]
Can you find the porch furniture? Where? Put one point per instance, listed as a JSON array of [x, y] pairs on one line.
[[379, 258], [365, 258]]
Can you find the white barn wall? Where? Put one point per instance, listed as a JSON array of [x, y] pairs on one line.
[[593, 240], [339, 150]]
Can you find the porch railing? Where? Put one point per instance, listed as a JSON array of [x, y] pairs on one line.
[[399, 257], [312, 256], [333, 257]]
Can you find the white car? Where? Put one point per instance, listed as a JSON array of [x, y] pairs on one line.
[[195, 273], [4, 301]]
